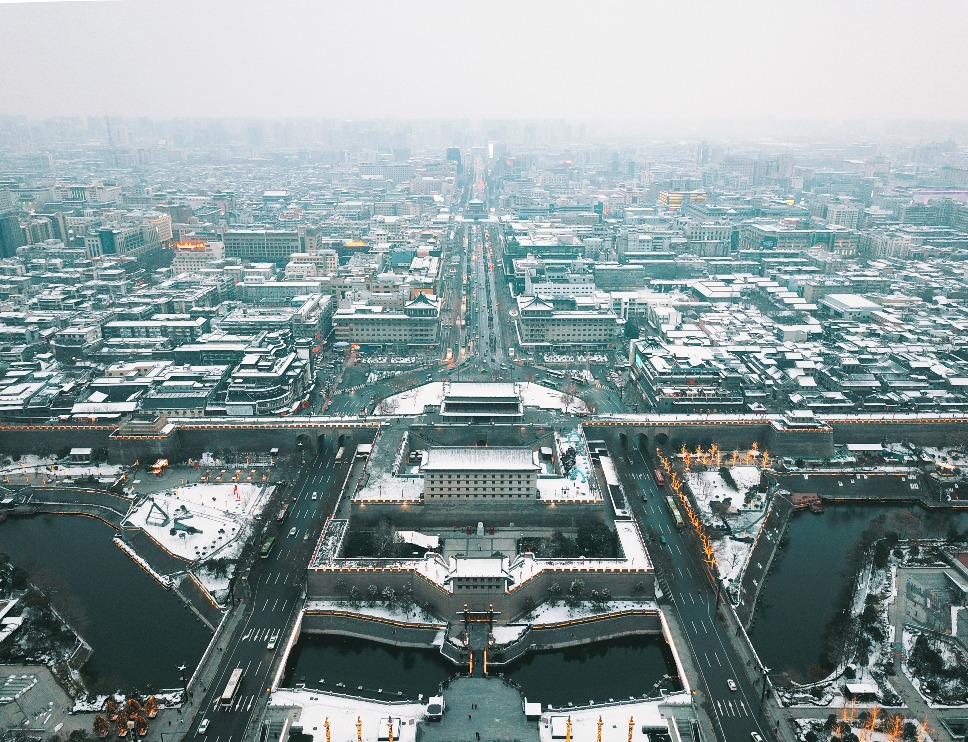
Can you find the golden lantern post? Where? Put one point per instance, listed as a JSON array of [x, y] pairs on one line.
[[631, 727], [390, 728], [600, 724], [326, 724], [568, 729], [359, 729]]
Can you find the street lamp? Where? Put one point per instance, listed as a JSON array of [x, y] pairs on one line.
[[181, 676]]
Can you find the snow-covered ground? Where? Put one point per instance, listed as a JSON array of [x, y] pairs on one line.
[[709, 487], [578, 485], [816, 725], [215, 514], [384, 486], [415, 614], [524, 566], [413, 401], [508, 634], [953, 456], [557, 611], [34, 469], [314, 708], [216, 585], [535, 395], [89, 703], [561, 488], [615, 720], [937, 691], [391, 360], [28, 461], [731, 556]]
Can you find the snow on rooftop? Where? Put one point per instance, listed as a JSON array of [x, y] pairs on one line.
[[413, 401], [478, 567], [482, 458], [465, 390], [524, 567], [849, 301]]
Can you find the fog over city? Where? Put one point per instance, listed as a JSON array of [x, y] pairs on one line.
[[688, 63]]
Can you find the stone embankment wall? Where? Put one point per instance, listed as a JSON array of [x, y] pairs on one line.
[[761, 557]]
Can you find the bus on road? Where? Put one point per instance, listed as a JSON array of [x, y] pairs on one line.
[[659, 479], [339, 454], [232, 689], [674, 510], [267, 545]]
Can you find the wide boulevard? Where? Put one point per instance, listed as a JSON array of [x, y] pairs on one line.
[[475, 342], [276, 586], [735, 713]]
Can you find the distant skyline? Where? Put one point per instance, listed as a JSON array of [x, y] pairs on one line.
[[602, 61]]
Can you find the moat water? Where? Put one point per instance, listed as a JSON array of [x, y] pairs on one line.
[[139, 631], [618, 668], [809, 574]]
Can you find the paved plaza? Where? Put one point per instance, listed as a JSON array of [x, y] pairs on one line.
[[499, 716]]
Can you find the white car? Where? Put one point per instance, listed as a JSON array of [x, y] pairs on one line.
[[731, 684], [271, 645], [315, 495], [292, 532], [203, 727], [756, 737]]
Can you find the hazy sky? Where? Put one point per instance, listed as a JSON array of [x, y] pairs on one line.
[[594, 60]]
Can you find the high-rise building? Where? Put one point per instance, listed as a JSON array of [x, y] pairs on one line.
[[11, 235], [703, 153], [254, 245]]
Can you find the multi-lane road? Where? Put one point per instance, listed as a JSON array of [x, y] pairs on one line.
[[277, 586], [473, 313], [735, 713]]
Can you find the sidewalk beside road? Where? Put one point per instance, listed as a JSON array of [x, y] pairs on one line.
[[175, 723]]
